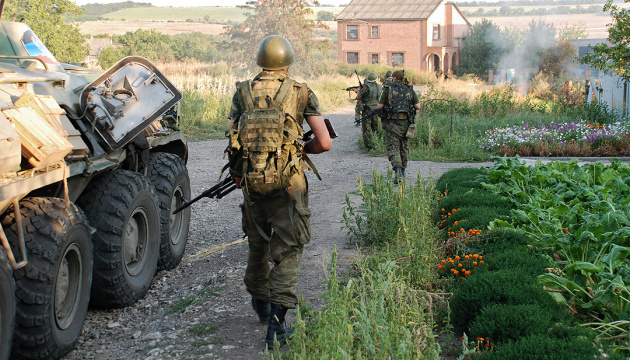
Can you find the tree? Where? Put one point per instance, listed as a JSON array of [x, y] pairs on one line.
[[616, 54], [569, 32], [556, 58], [481, 49], [325, 16], [46, 18], [278, 17]]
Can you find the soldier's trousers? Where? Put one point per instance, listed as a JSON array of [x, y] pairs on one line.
[[358, 109], [366, 126], [286, 222], [397, 148]]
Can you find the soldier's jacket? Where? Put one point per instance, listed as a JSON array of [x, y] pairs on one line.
[[388, 81], [370, 93]]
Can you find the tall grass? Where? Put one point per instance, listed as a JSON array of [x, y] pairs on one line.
[[384, 309]]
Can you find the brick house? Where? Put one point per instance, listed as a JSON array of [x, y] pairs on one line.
[[424, 35]]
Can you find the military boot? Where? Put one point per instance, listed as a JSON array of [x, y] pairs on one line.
[[276, 326], [397, 175], [262, 309], [403, 173]]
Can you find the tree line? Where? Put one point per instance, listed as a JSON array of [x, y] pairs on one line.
[[506, 10]]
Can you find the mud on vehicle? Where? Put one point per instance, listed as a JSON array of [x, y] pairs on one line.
[[92, 164]]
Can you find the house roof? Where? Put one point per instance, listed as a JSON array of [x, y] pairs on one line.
[[388, 9]]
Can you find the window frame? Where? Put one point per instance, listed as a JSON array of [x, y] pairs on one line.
[[378, 31], [402, 53], [347, 32], [439, 32], [371, 58], [348, 60]]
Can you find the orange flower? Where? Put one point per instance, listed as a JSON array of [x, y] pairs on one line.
[[455, 272], [467, 257], [457, 258], [459, 265], [475, 263], [468, 273], [475, 256], [443, 261]]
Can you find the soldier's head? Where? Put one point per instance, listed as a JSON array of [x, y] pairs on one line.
[[372, 77], [388, 73], [275, 53], [398, 75]]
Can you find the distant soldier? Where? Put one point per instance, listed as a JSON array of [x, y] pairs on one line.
[[388, 78], [400, 102], [369, 96]]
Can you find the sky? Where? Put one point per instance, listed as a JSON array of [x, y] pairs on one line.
[[192, 3]]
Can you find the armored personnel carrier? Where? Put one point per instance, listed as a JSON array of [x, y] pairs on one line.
[[91, 165]]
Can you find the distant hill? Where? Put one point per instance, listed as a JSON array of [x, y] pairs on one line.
[[193, 14], [95, 11]]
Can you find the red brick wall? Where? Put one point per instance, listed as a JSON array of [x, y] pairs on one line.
[[394, 37]]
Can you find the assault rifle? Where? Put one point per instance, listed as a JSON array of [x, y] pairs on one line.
[[369, 116], [355, 87], [228, 184], [218, 191]]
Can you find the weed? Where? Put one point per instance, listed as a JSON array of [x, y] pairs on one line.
[[181, 304], [204, 329]]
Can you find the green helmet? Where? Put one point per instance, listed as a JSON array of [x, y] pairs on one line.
[[275, 53], [388, 73], [398, 74], [372, 77]]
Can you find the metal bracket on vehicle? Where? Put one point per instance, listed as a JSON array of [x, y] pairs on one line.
[[20, 234]]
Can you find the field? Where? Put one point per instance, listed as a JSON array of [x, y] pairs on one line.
[[595, 24], [218, 14]]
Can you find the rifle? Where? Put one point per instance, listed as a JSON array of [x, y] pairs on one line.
[[370, 115], [331, 131], [218, 191], [228, 184], [355, 87]]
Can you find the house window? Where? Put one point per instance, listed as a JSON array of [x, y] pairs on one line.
[[352, 57], [374, 32], [374, 58], [398, 59], [436, 32], [352, 32]]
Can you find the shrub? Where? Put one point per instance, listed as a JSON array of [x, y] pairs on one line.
[[543, 347], [503, 322], [505, 286], [459, 178], [519, 259]]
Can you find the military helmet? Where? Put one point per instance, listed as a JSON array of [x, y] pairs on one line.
[[398, 74], [275, 53], [388, 73], [372, 77]]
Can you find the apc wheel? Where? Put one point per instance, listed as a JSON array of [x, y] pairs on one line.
[[53, 290], [121, 205], [7, 306], [169, 177]]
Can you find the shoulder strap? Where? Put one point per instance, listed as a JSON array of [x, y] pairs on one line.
[[246, 94], [282, 93]]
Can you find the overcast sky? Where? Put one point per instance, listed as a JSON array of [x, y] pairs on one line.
[[190, 3]]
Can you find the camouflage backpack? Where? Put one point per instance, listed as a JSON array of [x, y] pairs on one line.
[[374, 94], [401, 100], [264, 148]]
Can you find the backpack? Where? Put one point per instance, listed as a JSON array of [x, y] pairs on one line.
[[264, 148], [401, 100], [373, 96]]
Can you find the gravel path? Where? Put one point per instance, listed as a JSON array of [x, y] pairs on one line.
[[219, 323]]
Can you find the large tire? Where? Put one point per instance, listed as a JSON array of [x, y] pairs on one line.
[[122, 206], [169, 177], [53, 290], [7, 306]]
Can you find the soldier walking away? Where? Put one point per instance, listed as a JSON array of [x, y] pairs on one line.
[[369, 95], [267, 161], [400, 102], [358, 108]]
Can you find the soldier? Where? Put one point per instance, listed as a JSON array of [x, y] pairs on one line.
[[388, 78], [358, 108], [267, 160], [368, 96], [400, 102]]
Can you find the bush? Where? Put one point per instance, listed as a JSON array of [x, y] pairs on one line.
[[543, 347], [460, 178], [503, 322], [518, 259], [505, 286]]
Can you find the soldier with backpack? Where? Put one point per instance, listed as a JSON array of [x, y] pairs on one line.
[[267, 161], [400, 102], [369, 95]]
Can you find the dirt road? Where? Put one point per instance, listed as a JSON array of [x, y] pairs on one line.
[[219, 323]]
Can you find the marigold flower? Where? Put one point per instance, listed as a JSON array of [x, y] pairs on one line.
[[459, 265], [443, 261], [457, 258], [468, 273], [475, 256], [480, 257], [466, 257], [475, 263], [482, 262], [455, 272]]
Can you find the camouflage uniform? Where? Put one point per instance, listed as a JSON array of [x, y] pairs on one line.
[[387, 81], [370, 93], [283, 217], [397, 124], [358, 108]]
